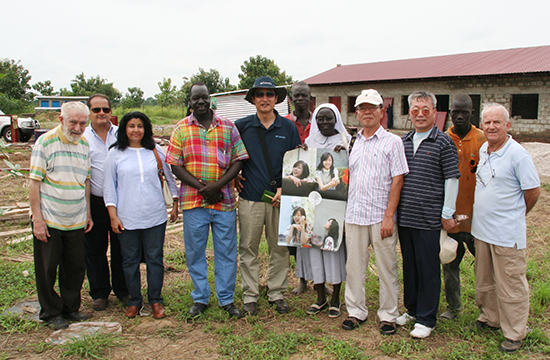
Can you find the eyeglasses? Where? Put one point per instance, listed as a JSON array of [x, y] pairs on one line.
[[363, 108], [260, 94], [425, 111], [98, 109]]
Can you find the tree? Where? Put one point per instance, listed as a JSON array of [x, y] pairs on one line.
[[133, 98], [81, 86], [44, 88], [14, 87], [212, 79], [261, 66], [167, 93]]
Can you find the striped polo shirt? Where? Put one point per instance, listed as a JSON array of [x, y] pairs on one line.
[[423, 190], [372, 165], [62, 168]]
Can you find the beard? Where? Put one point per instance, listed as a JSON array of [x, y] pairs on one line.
[[69, 136]]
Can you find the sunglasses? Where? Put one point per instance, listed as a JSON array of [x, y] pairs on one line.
[[260, 94], [98, 109], [425, 111]]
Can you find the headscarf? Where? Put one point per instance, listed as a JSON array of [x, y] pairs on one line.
[[339, 123]]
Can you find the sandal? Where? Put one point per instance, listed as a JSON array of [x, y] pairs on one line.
[[352, 323], [334, 312], [316, 309]]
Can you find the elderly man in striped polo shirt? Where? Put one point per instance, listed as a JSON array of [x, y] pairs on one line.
[[427, 205], [59, 193]]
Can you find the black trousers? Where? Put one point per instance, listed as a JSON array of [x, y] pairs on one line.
[[97, 265], [64, 249]]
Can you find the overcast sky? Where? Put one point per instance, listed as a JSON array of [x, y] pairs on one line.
[[138, 42]]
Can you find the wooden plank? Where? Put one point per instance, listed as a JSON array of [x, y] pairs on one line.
[[14, 232]]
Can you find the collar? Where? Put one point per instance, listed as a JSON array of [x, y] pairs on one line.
[[295, 119], [468, 136], [193, 120], [377, 133], [277, 123], [502, 150], [60, 134], [432, 136]]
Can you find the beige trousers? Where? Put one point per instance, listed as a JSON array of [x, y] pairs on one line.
[[502, 290], [358, 240], [253, 217]]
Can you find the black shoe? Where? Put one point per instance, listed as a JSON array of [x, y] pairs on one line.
[[57, 322], [197, 309], [99, 304], [233, 311], [281, 306], [387, 328], [352, 323], [76, 316], [480, 325], [250, 309]]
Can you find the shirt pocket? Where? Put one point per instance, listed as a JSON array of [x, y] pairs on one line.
[[224, 158]]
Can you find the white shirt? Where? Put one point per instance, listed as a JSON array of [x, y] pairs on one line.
[[98, 154]]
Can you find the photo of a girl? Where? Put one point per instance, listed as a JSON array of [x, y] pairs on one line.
[[299, 232], [326, 175], [298, 182], [331, 235]]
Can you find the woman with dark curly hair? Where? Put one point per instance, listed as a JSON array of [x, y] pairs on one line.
[[135, 201]]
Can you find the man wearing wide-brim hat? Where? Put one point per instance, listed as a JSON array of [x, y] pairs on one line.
[[265, 134]]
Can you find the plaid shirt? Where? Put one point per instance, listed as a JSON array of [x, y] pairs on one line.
[[206, 154]]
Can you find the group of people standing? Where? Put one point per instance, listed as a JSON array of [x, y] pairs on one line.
[[411, 188]]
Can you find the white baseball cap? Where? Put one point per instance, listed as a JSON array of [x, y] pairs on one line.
[[369, 96]]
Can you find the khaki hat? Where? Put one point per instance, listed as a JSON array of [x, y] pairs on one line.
[[448, 245], [369, 96]]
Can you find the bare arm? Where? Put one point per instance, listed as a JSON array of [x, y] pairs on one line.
[[386, 228], [531, 196], [39, 227], [89, 221]]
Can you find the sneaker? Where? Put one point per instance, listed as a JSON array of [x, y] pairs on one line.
[[334, 311], [510, 345], [316, 308], [404, 319], [250, 309], [421, 331], [448, 315], [57, 322], [387, 328], [99, 304], [352, 323], [281, 306]]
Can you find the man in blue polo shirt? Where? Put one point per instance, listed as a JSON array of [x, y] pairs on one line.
[[427, 204], [280, 135]]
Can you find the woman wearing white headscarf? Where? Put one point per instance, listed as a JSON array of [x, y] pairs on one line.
[[327, 132]]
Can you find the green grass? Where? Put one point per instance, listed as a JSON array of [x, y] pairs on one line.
[[95, 346], [15, 285], [159, 116]]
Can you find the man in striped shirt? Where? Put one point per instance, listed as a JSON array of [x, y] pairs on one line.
[[427, 205], [59, 193], [377, 166]]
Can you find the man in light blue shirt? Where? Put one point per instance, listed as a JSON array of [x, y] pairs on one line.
[[101, 134], [507, 188]]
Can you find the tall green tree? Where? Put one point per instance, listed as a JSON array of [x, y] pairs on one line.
[[258, 66], [15, 96], [80, 86], [133, 98], [44, 88], [213, 80], [168, 93]]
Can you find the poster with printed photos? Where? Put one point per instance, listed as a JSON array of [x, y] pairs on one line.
[[313, 203]]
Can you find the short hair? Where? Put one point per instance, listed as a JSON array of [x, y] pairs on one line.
[[302, 83], [100, 96], [463, 97], [489, 106], [422, 95], [198, 83], [122, 141], [76, 106]]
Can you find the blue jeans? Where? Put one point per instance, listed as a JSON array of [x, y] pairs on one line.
[[196, 224], [150, 242]]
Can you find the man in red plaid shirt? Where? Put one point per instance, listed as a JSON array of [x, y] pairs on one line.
[[206, 152]]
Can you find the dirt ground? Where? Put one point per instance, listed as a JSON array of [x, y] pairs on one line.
[[177, 338]]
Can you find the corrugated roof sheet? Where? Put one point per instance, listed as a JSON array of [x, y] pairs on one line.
[[510, 61], [233, 106]]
